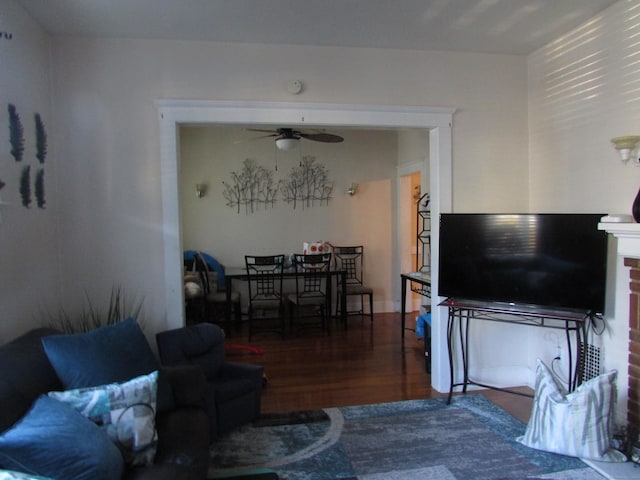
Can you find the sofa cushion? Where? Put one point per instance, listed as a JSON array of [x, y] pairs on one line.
[[53, 440], [125, 410], [577, 424], [25, 374], [110, 354]]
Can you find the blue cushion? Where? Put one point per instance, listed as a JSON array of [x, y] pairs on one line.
[[53, 440], [110, 354]]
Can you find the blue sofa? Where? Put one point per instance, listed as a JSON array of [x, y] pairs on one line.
[[27, 375]]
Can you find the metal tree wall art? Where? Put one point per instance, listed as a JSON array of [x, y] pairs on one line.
[[252, 187], [307, 184]]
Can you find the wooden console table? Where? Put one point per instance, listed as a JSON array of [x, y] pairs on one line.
[[462, 313]]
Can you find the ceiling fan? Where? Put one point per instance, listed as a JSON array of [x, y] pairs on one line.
[[288, 138]]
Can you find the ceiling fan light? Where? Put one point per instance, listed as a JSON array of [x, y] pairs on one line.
[[287, 143]]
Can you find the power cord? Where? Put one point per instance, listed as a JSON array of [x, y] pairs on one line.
[[596, 324]]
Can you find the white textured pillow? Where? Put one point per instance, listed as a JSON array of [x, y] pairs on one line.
[[578, 424], [127, 412]]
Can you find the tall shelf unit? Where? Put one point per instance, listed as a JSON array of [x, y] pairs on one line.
[[423, 240]]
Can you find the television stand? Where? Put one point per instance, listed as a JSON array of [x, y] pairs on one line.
[[462, 313]]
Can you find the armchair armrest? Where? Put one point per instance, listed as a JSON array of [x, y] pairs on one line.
[[241, 370], [188, 385]]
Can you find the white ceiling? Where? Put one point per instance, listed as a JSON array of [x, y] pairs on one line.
[[490, 26]]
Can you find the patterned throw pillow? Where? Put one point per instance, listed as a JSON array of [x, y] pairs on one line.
[[127, 412], [578, 424]]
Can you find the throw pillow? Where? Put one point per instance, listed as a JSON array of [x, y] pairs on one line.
[[11, 475], [110, 354], [53, 440], [578, 424], [126, 411]]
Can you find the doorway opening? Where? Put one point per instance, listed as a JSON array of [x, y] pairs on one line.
[[173, 113]]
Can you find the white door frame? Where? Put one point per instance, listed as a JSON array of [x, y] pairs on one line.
[[173, 113], [404, 170]]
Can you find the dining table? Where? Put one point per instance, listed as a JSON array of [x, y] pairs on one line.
[[234, 274]]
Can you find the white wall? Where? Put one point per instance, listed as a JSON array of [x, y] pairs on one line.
[[583, 90], [104, 137], [108, 130], [29, 274], [209, 154]]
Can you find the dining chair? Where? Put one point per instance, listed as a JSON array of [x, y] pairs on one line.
[[266, 304], [311, 300], [214, 295], [350, 259]]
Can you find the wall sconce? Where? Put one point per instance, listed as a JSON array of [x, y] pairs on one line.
[[201, 189], [625, 146], [353, 189]]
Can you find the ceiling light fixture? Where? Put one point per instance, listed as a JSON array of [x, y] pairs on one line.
[[287, 143]]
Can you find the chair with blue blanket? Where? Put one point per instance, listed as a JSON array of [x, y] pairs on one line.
[[213, 299]]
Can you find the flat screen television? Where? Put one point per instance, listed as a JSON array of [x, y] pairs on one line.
[[555, 261]]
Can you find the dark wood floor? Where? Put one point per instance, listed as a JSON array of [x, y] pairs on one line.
[[360, 365]]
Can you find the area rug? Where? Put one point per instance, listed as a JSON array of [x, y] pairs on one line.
[[419, 439]]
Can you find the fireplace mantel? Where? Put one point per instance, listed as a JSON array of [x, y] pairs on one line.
[[628, 235]]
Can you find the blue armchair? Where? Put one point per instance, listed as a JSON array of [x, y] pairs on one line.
[[234, 390]]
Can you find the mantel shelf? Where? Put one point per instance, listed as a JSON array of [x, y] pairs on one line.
[[628, 235]]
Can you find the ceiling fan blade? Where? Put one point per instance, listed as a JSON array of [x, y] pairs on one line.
[[245, 140], [260, 130], [322, 137], [264, 136]]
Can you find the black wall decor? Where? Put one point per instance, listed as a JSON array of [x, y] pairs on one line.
[[17, 151], [39, 188], [16, 133], [41, 139], [252, 187], [307, 184], [25, 186]]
